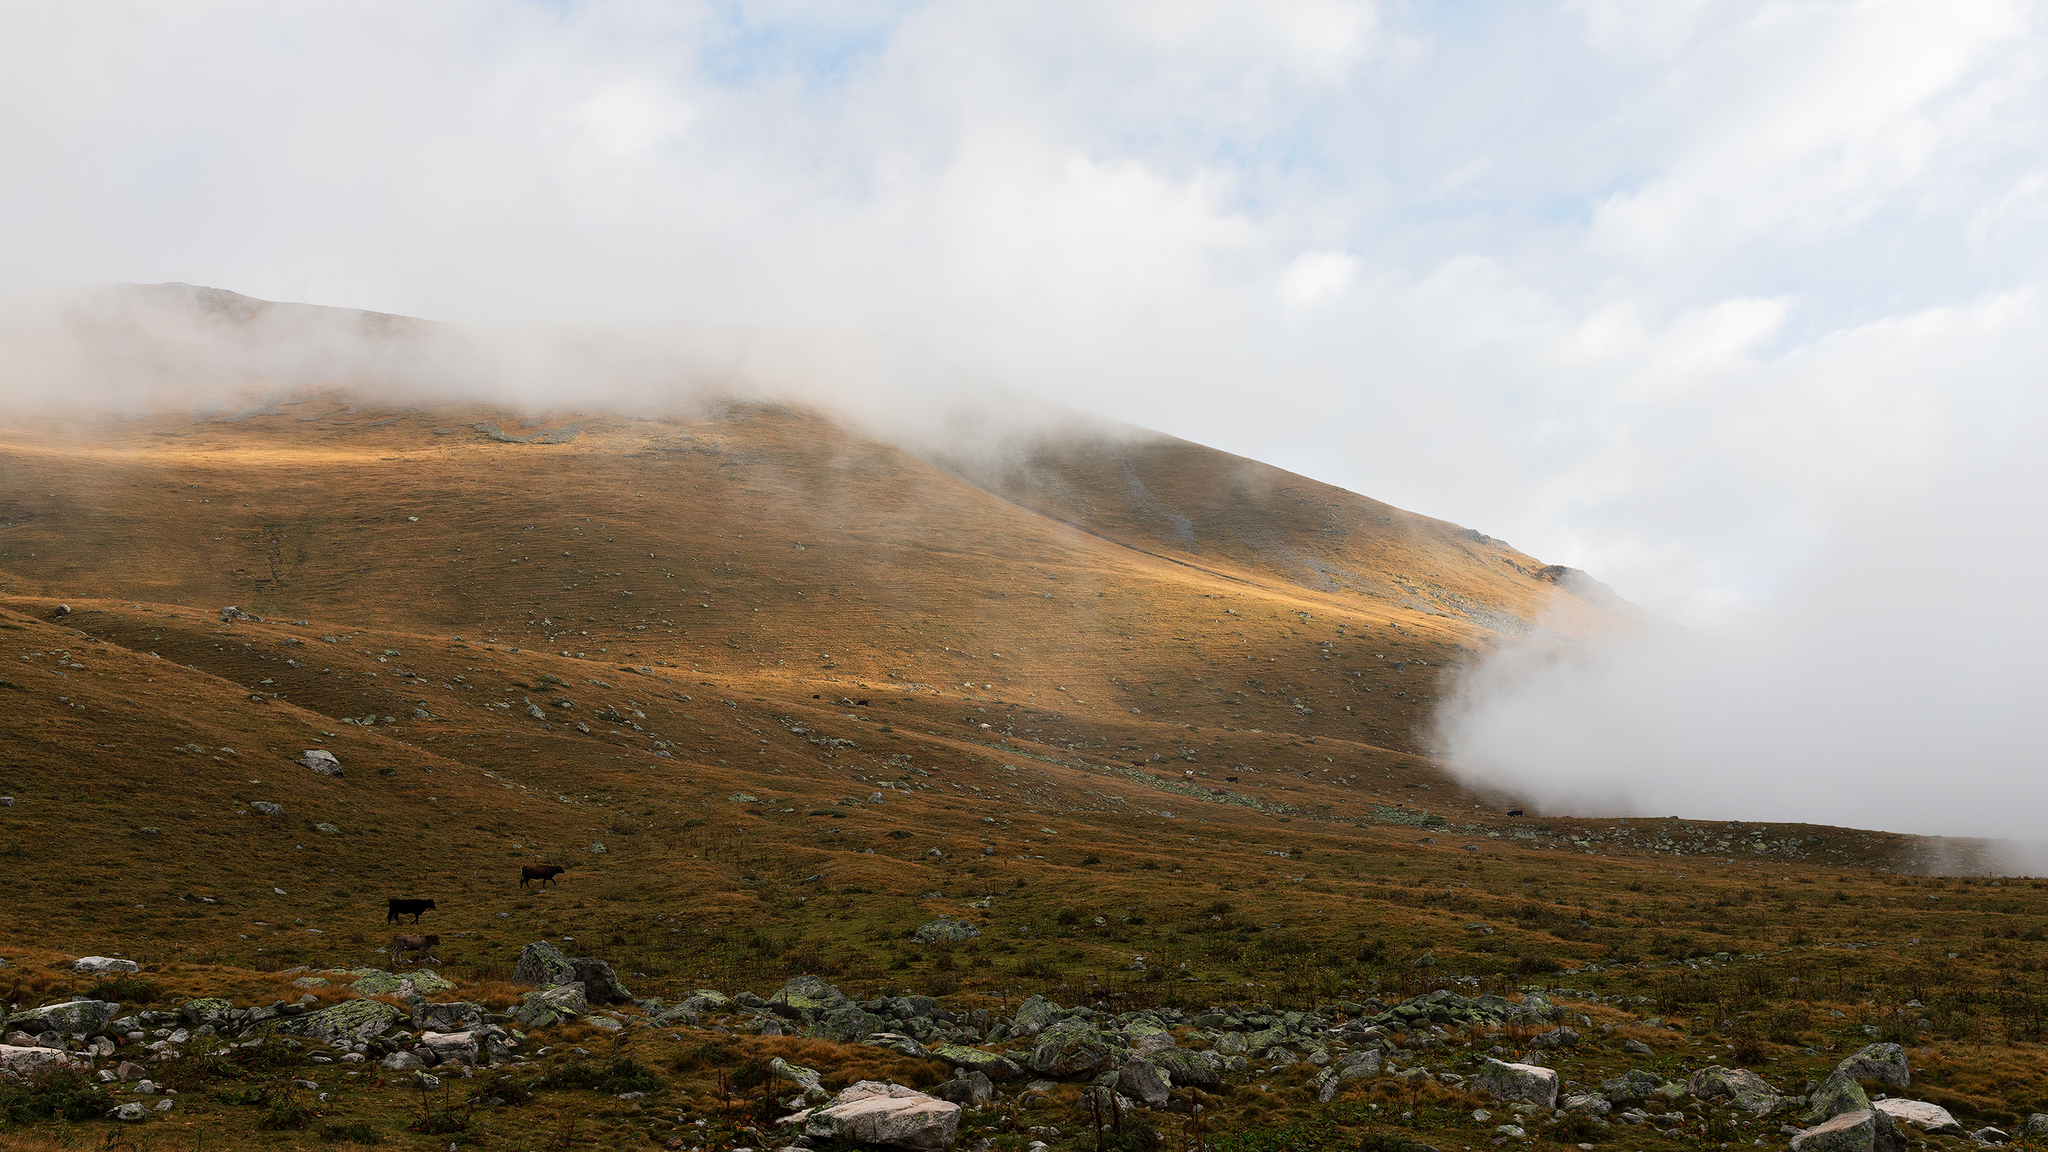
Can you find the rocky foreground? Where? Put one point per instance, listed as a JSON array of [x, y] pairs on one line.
[[1127, 1062]]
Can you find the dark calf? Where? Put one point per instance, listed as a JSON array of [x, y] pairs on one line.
[[411, 908], [540, 872]]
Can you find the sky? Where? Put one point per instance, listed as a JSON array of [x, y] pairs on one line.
[[1736, 305]]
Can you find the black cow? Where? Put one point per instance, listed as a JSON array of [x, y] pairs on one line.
[[1232, 779], [540, 872], [412, 908], [1514, 811]]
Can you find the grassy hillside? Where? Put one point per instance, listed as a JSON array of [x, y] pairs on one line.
[[776, 694]]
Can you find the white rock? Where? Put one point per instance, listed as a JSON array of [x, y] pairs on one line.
[[321, 760], [1918, 1113], [104, 964], [26, 1059], [877, 1113]]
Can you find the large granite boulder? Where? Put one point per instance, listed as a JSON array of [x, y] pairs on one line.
[[542, 965], [1142, 1080], [352, 1022], [1189, 1068], [70, 1018], [1864, 1130], [26, 1060], [872, 1112], [543, 1007], [1749, 1091], [1035, 1015], [600, 984], [1072, 1050], [1884, 1063], [1838, 1094], [206, 1010], [104, 964], [993, 1065], [453, 1016], [806, 1079], [1519, 1083], [806, 997]]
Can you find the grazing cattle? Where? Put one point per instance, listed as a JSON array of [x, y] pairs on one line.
[[1514, 812], [412, 908], [421, 947], [540, 872], [1232, 779]]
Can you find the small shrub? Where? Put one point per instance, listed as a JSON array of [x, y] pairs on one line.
[[616, 1073], [284, 1106], [56, 1093], [126, 989], [1090, 858], [352, 1131], [1577, 1128]]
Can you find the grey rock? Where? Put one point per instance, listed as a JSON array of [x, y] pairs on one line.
[[25, 1059], [68, 1018], [896, 1042], [130, 1112], [1989, 1136], [321, 760], [542, 965], [1524, 1082], [970, 1091], [1557, 1038], [1884, 1063], [1141, 1079], [399, 1062], [2035, 1127], [994, 1065], [1838, 1094], [452, 1016], [547, 1006], [1189, 1068], [355, 1021], [206, 1010], [945, 930], [266, 808], [1072, 1050], [1637, 1048], [1749, 1091], [425, 1081], [104, 964], [600, 984], [806, 997], [805, 1079], [1631, 1086], [1035, 1015], [1589, 1103]]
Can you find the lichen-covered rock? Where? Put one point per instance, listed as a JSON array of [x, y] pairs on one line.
[[544, 1007], [450, 1047], [2036, 1126], [1592, 1104], [1631, 1086], [1526, 1083], [1035, 1015], [1884, 1063], [27, 1059], [424, 982], [1146, 1035], [896, 1042], [1071, 1050], [67, 1019], [1749, 1091], [1933, 1118], [806, 997], [805, 1079], [1141, 1079], [355, 1021], [970, 1091], [872, 1112], [206, 1010], [374, 982], [104, 964], [1330, 1080], [945, 930], [452, 1016], [542, 965], [1189, 1068], [1838, 1094]]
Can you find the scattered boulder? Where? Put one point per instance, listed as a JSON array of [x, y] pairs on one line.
[[872, 1112], [993, 1065], [806, 1079], [600, 984], [546, 1006], [945, 930], [68, 1018], [1631, 1086], [353, 1022], [104, 964], [1884, 1063], [1590, 1103], [970, 1091], [451, 1016], [542, 965], [1749, 1091], [1072, 1050], [1525, 1083], [206, 1010], [1559, 1037], [129, 1113], [266, 808], [399, 1062], [805, 997], [2036, 1126], [1141, 1079], [1637, 1048], [1838, 1094], [1989, 1135], [321, 760], [1936, 1121], [24, 1060], [1035, 1015], [1189, 1068], [897, 1042]]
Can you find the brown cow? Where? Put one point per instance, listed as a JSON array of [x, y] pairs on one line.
[[421, 947], [540, 872]]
